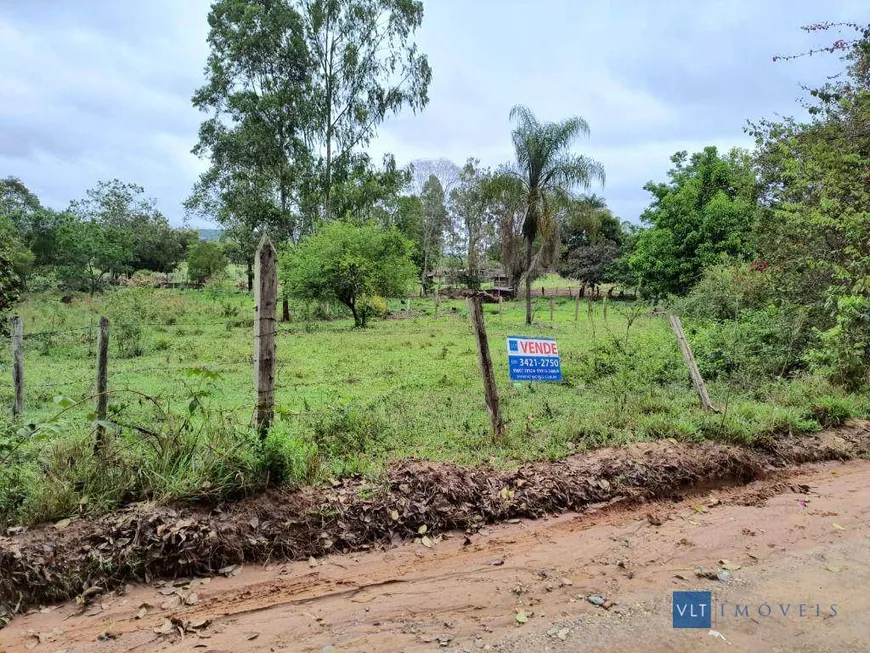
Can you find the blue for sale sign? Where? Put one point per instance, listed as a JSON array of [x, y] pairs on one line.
[[533, 359]]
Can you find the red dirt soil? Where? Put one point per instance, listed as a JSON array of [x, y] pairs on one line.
[[800, 537]]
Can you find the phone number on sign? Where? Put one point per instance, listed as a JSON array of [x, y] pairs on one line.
[[536, 362]]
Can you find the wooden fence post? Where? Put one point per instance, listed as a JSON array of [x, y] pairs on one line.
[[552, 322], [500, 309], [689, 358], [577, 309], [489, 387], [265, 303], [102, 382], [437, 303], [16, 333]]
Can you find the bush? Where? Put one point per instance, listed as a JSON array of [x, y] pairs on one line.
[[373, 306], [737, 332], [724, 292], [43, 281], [205, 259], [763, 344], [145, 279]]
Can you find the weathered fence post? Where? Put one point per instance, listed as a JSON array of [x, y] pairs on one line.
[[437, 303], [577, 309], [265, 303], [552, 322], [16, 333], [489, 387], [689, 358], [102, 382], [500, 309]]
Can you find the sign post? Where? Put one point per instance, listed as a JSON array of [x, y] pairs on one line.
[[533, 359]]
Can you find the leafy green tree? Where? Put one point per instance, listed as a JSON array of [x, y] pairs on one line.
[[124, 206], [362, 193], [706, 211], [433, 227], [549, 172], [472, 222], [26, 227], [366, 66], [353, 264], [409, 221], [814, 242], [257, 95], [89, 251], [10, 282], [591, 241], [205, 259]]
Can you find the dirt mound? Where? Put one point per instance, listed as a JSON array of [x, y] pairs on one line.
[[415, 499]]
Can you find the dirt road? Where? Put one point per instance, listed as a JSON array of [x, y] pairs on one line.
[[800, 539]]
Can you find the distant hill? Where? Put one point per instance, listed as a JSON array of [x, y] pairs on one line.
[[210, 234]]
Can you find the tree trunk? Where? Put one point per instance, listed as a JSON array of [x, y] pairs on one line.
[[528, 281], [250, 275], [356, 317], [425, 270], [327, 209]]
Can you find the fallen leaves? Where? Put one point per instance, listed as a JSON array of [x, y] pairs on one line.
[[171, 603]]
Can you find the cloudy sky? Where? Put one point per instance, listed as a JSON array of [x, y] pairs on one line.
[[97, 89]]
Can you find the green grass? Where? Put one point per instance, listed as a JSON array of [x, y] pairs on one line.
[[347, 400]]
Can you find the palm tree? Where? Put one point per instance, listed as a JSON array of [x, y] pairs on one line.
[[549, 172]]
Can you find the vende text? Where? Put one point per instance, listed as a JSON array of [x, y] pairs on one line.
[[536, 347]]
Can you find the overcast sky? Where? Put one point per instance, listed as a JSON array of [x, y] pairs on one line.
[[98, 89]]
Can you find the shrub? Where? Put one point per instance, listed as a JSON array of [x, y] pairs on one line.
[[43, 281], [145, 279], [205, 259], [373, 306], [724, 292]]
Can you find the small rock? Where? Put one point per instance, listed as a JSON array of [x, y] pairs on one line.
[[563, 633], [497, 562], [329, 648], [607, 604], [596, 599], [724, 576]]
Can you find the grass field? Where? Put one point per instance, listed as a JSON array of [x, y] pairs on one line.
[[347, 400]]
